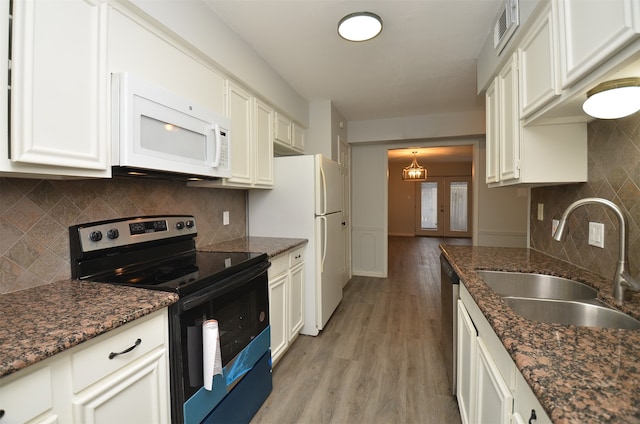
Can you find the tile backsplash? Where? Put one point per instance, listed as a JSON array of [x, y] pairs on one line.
[[614, 174], [35, 216]]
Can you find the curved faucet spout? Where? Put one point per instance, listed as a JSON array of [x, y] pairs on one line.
[[622, 279]]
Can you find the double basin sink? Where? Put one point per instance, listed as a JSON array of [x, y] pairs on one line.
[[555, 300]]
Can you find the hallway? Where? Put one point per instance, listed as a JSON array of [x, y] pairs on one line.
[[379, 359]]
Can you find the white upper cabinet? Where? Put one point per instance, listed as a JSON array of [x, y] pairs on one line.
[[287, 136], [251, 141], [538, 71], [239, 110], [528, 154], [263, 144], [593, 31], [509, 121], [59, 89]]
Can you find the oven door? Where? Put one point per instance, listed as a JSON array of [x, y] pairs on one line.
[[240, 304]]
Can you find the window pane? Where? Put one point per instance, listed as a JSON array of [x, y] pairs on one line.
[[429, 206], [458, 206]]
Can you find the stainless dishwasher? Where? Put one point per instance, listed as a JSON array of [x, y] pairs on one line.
[[449, 294]]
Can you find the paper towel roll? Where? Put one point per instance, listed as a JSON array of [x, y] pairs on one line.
[[211, 358]]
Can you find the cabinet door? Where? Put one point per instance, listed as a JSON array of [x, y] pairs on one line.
[[593, 31], [282, 130], [493, 134], [296, 300], [59, 88], [263, 144], [297, 137], [239, 110], [538, 66], [494, 401], [277, 315], [466, 365], [509, 135], [135, 394], [28, 394]]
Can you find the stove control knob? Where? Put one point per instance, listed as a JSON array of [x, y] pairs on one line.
[[179, 225], [190, 223], [113, 234], [95, 236]]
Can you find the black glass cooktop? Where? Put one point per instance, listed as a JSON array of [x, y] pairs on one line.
[[182, 274]]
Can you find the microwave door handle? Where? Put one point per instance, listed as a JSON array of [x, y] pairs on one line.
[[216, 161], [213, 156]]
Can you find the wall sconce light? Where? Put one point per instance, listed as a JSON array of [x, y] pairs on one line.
[[414, 172], [360, 26], [613, 99]]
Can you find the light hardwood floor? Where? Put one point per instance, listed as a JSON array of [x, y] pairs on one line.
[[379, 359]]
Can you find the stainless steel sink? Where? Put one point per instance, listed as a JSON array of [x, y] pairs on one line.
[[592, 313], [539, 286]]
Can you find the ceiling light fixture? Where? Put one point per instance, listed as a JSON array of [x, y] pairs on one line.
[[613, 99], [414, 172], [360, 26]]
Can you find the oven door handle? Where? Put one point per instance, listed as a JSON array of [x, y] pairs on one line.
[[224, 286]]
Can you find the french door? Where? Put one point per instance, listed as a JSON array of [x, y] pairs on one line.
[[443, 207]]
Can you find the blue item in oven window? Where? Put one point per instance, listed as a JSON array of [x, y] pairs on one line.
[[198, 406]]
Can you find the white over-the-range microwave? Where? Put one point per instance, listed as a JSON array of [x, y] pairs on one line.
[[158, 133]]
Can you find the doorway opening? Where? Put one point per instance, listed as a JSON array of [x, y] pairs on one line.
[[441, 206]]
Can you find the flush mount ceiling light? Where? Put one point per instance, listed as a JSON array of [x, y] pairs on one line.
[[613, 99], [414, 172], [360, 26]]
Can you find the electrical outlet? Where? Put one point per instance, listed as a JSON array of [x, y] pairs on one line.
[[225, 218], [596, 234], [540, 211], [554, 226]]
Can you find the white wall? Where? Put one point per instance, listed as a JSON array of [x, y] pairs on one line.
[[198, 25], [502, 212], [417, 127], [369, 210], [326, 126]]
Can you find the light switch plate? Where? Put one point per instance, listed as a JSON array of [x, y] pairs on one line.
[[225, 218], [596, 234]]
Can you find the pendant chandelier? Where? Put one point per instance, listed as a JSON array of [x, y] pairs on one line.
[[414, 172]]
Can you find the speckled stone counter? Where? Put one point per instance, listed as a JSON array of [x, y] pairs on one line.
[[579, 374], [272, 246], [39, 322]]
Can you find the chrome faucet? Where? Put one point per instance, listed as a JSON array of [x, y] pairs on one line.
[[622, 279]]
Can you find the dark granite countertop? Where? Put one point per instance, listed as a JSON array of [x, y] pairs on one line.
[[272, 246], [579, 374], [39, 322]]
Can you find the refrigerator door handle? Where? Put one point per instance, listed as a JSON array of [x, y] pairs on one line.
[[323, 200], [324, 226]]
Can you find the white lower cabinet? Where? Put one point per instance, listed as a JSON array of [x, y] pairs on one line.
[[99, 381], [490, 388], [286, 300]]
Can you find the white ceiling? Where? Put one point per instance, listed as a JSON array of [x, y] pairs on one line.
[[422, 63]]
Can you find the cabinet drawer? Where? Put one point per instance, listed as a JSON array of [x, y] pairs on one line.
[[92, 363], [279, 264], [296, 257]]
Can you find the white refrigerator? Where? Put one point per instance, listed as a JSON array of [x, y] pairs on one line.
[[306, 202]]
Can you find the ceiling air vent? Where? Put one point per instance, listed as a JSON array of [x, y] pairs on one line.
[[506, 24]]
